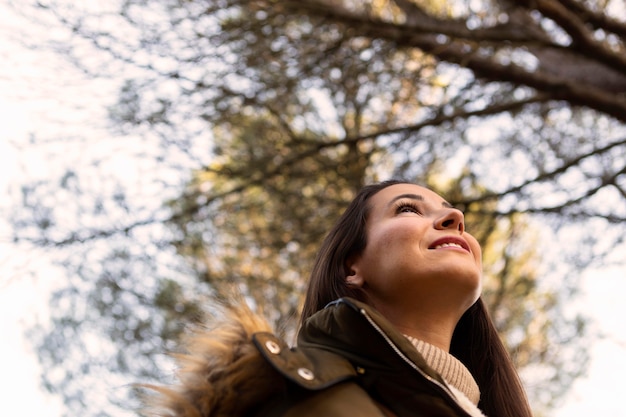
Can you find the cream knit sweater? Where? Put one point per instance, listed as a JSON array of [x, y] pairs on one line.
[[450, 368]]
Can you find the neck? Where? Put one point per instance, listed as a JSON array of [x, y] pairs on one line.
[[437, 335], [435, 328]]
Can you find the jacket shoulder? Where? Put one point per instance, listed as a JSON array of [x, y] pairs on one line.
[[310, 368], [321, 383], [345, 399], [238, 367]]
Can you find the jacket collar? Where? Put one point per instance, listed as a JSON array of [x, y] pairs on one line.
[[364, 337]]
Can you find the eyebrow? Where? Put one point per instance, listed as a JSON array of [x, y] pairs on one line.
[[416, 197]]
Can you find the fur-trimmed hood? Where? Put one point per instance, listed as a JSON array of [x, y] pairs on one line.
[[221, 374], [238, 368]]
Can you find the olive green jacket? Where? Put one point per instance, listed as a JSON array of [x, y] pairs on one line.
[[349, 362]]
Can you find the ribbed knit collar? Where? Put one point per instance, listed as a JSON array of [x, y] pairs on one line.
[[449, 367]]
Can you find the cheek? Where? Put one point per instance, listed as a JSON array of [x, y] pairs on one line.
[[397, 235], [477, 251], [377, 240], [384, 249]]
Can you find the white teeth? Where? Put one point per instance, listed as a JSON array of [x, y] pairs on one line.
[[445, 245]]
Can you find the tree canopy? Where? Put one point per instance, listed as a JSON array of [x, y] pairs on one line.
[[256, 121]]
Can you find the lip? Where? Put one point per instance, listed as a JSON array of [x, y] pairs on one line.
[[450, 239]]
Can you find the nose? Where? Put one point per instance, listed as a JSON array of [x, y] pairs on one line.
[[451, 219]]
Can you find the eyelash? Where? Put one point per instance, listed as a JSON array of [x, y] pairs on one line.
[[401, 206]]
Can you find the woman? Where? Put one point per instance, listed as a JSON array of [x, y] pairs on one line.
[[392, 325]]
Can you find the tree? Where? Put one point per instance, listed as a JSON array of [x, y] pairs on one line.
[[565, 50], [305, 102]]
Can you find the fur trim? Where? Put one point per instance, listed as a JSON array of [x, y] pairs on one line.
[[466, 403], [221, 374]]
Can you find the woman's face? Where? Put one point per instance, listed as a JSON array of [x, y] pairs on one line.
[[417, 252]]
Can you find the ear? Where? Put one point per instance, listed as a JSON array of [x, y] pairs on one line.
[[354, 277]]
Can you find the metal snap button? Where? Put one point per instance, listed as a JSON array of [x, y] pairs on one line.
[[272, 347], [306, 374]]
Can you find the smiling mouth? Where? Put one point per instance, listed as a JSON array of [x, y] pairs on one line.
[[451, 243], [448, 245]]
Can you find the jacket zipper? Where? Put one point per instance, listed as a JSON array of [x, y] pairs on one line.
[[441, 386]]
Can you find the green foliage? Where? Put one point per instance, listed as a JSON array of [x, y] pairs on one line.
[[262, 238]]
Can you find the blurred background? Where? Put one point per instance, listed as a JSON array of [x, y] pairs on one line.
[[156, 156]]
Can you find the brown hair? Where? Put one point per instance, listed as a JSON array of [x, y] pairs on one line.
[[475, 341]]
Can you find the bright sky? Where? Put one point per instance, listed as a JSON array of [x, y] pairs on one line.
[[30, 83]]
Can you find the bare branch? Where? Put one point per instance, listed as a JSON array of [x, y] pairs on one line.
[[460, 47], [582, 37], [596, 20], [610, 180]]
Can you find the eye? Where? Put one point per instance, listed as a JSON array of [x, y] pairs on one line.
[[407, 207]]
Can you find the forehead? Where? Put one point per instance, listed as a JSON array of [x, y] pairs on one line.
[[381, 199]]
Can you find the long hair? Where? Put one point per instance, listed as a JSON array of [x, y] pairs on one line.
[[475, 341]]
